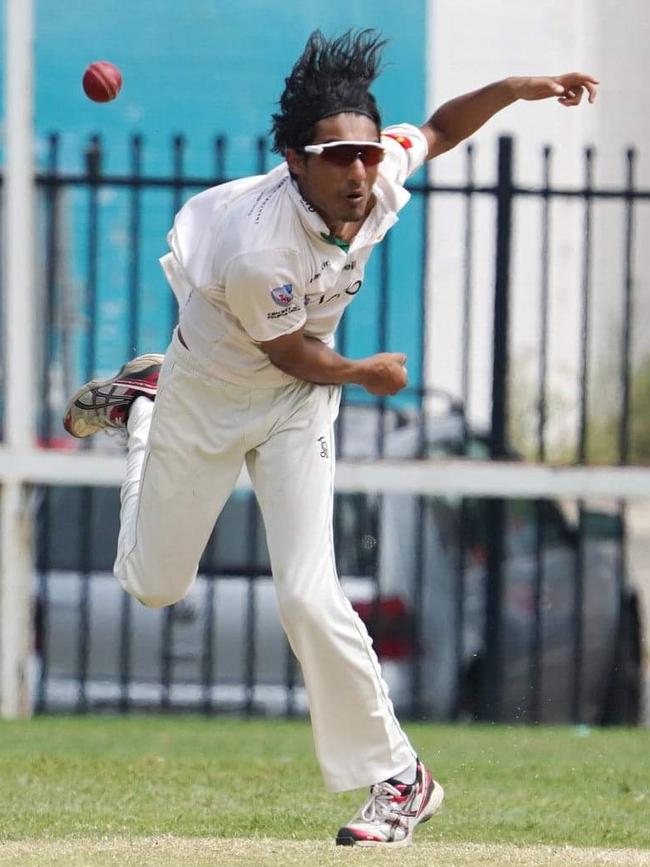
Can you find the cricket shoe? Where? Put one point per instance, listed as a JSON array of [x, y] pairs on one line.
[[105, 404], [390, 815]]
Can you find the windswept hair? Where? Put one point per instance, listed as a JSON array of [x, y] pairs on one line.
[[330, 76]]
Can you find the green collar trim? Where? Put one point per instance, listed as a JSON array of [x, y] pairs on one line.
[[337, 242]]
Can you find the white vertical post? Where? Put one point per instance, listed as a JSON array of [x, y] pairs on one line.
[[19, 252], [16, 621], [430, 47]]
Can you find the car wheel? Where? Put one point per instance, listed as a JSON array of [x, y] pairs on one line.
[[623, 702]]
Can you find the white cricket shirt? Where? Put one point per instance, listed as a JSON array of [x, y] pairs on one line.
[[249, 262]]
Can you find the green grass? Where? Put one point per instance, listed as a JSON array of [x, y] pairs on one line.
[[99, 778]]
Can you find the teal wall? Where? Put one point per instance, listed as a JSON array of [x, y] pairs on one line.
[[203, 67]]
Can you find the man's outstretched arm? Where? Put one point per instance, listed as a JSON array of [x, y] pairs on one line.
[[462, 116]]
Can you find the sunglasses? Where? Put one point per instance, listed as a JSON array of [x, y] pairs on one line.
[[344, 153]]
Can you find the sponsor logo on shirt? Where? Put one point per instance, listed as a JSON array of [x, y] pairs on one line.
[[282, 295], [321, 298], [323, 266], [400, 139], [277, 314], [262, 201]]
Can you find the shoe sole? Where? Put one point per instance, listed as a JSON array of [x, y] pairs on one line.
[[433, 805], [128, 369]]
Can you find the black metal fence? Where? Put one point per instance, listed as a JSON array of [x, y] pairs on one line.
[[75, 282], [498, 609]]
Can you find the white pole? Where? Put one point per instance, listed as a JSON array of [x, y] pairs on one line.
[[15, 538], [19, 360]]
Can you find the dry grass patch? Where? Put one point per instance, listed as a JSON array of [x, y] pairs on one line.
[[198, 852]]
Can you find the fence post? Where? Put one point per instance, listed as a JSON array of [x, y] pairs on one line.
[[16, 568], [490, 706]]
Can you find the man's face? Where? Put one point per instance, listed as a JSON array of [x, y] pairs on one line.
[[340, 194]]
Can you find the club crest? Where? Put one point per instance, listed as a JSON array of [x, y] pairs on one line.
[[282, 295]]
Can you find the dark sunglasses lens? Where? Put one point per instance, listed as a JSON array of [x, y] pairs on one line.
[[372, 156], [343, 155]]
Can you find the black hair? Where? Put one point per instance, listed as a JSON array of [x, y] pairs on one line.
[[330, 76]]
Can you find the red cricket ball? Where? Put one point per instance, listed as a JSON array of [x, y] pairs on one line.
[[102, 81]]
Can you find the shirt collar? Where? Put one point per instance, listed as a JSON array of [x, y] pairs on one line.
[[389, 199], [309, 216]]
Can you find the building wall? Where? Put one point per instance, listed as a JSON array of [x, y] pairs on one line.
[[472, 43]]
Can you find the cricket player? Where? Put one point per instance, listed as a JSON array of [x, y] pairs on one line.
[[263, 269]]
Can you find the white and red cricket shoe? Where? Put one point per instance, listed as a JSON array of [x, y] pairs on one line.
[[391, 814], [101, 405]]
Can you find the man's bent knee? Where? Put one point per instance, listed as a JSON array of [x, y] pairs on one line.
[[152, 590]]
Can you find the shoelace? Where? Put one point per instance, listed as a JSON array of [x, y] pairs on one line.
[[381, 803], [106, 404]]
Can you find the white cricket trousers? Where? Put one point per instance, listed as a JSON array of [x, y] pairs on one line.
[[185, 453]]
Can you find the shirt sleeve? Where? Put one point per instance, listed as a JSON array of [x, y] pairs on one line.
[[264, 291], [406, 150]]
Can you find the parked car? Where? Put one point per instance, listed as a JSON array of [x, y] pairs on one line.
[[414, 568]]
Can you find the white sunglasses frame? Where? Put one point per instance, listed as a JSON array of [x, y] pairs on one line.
[[319, 148]]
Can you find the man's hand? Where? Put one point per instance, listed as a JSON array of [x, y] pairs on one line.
[[568, 88], [384, 373]]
